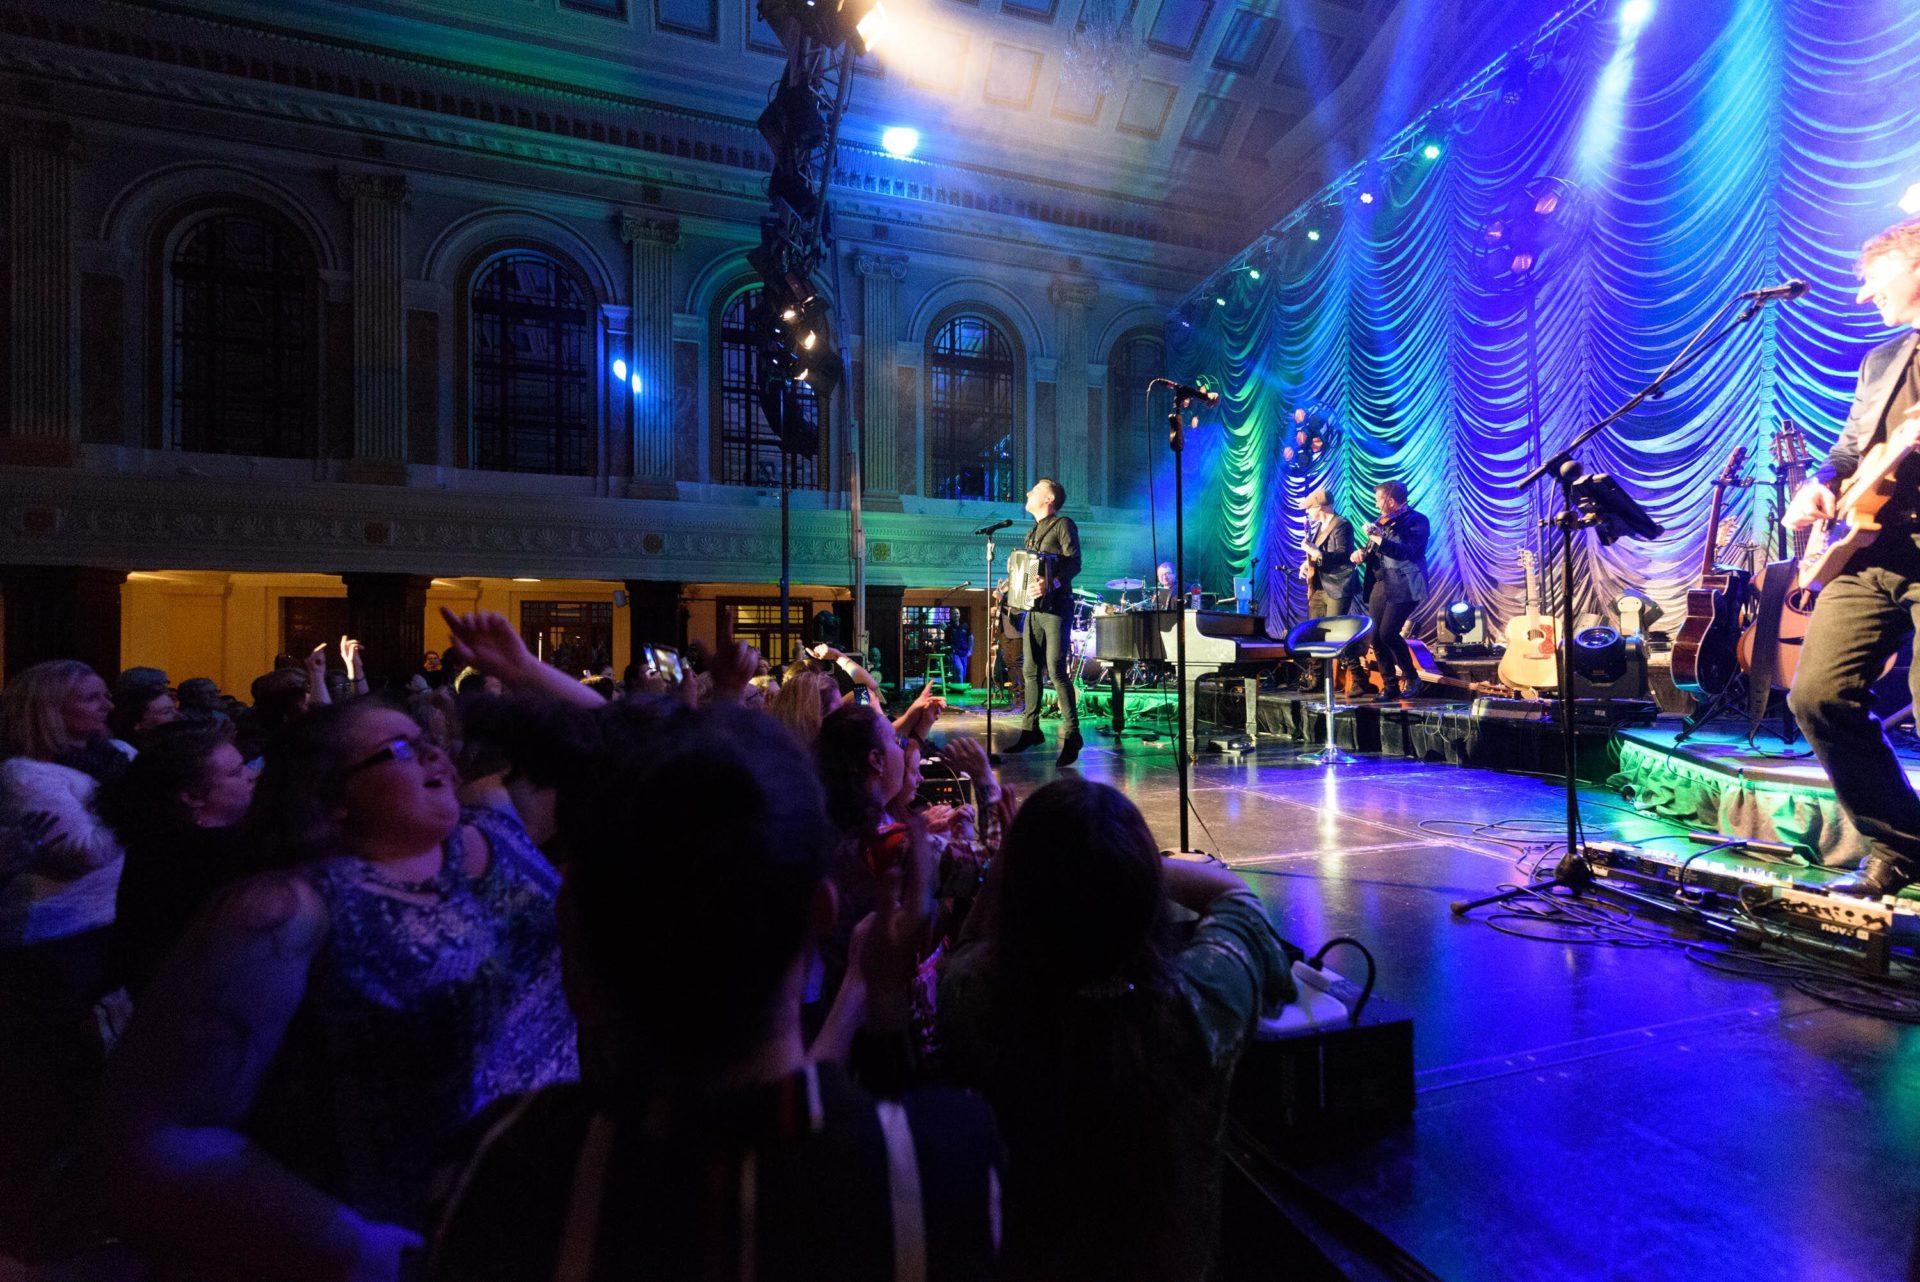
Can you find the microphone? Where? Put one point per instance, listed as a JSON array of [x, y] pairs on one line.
[[995, 528], [1786, 291], [1182, 392]]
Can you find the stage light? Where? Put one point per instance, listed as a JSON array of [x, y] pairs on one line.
[[1634, 15], [1254, 272], [1431, 151], [1910, 203], [1599, 654], [619, 369], [636, 384], [1313, 235], [900, 140], [1366, 198], [1219, 302]]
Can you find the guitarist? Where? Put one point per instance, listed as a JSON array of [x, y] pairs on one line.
[[1396, 555], [1865, 614], [1333, 581]]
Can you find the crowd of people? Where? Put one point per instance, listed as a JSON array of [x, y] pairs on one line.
[[509, 975]]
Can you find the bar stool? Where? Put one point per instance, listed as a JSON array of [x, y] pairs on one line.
[[938, 661], [1327, 639]]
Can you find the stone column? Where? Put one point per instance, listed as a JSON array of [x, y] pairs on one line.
[[42, 425], [652, 241], [62, 612], [655, 616], [880, 425], [379, 202], [1073, 299], [387, 613], [885, 619]]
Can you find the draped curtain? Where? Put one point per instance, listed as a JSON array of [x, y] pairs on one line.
[[1736, 143]]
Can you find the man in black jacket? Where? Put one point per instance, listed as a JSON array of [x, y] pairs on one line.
[[1333, 581], [1397, 554], [1866, 612], [1056, 540]]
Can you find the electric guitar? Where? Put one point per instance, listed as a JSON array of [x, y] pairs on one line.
[[1530, 661], [1856, 522], [1704, 658]]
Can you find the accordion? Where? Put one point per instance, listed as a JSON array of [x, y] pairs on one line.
[[1026, 579]]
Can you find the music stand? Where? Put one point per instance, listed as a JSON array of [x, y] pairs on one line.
[[1595, 500]]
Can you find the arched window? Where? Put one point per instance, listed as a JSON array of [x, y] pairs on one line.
[[749, 446], [972, 448], [1135, 361], [532, 361], [243, 374]]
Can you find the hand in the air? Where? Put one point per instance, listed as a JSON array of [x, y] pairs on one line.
[[350, 656], [731, 667], [316, 665], [485, 640]]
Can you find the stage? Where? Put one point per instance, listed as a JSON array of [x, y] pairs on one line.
[[1585, 1110]]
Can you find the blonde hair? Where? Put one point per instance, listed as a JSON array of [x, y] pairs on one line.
[[799, 704], [33, 720], [1901, 238]]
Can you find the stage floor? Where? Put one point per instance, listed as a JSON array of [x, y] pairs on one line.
[[1585, 1111]]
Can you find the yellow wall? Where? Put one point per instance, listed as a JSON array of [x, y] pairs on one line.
[[196, 623]]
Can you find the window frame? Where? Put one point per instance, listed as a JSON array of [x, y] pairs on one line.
[[594, 338], [719, 346], [1121, 477], [1019, 390]]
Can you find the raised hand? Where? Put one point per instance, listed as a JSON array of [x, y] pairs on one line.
[[732, 667], [485, 640], [969, 758], [350, 656]]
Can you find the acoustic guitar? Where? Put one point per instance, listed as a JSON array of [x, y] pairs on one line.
[[1704, 658], [1529, 662], [1782, 624]]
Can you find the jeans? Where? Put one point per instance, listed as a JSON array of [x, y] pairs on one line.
[[1859, 620], [1389, 647], [1046, 646]]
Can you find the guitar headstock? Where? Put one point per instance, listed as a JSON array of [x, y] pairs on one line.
[[1735, 461], [1789, 445], [1526, 559]]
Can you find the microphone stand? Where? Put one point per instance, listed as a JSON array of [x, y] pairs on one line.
[[996, 622], [1573, 871], [1176, 439]]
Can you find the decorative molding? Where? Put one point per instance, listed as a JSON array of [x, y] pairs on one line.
[[867, 264], [638, 228], [1065, 293], [391, 188]]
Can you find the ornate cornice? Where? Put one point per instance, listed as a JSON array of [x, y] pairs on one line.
[[641, 229], [392, 188]]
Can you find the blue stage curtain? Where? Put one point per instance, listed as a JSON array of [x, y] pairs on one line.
[[1748, 141]]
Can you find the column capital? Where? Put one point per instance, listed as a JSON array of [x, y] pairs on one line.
[[642, 229], [870, 264], [1063, 293], [392, 188]]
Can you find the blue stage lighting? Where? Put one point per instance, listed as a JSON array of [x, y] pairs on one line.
[[1254, 272], [900, 140], [1219, 302], [1634, 15], [1366, 198], [636, 385], [619, 369], [1313, 235], [1431, 151], [1910, 203]]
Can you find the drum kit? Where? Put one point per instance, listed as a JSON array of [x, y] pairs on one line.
[[1082, 665]]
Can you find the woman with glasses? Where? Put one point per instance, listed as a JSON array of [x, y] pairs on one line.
[[299, 1065]]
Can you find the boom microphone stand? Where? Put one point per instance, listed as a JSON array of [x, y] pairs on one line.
[[996, 620], [1596, 500]]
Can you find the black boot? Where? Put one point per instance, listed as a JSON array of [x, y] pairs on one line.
[[1069, 750], [1025, 740], [1880, 875]]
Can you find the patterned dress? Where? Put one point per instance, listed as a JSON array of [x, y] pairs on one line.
[[427, 1001]]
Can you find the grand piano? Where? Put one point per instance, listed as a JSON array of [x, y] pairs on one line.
[[1220, 644]]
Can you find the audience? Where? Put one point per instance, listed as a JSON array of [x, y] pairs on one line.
[[723, 1150], [58, 874], [1105, 1044], [304, 1056], [560, 977], [175, 813]]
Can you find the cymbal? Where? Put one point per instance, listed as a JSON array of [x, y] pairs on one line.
[[1085, 595], [1125, 585]]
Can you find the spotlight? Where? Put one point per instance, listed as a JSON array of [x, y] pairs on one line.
[[1366, 198], [1254, 272], [619, 369], [1219, 302], [900, 140], [1431, 151], [1600, 654], [636, 384], [1910, 203], [1313, 235], [1634, 15]]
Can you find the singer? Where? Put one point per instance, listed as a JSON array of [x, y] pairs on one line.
[[1056, 539], [1867, 611], [1395, 554]]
